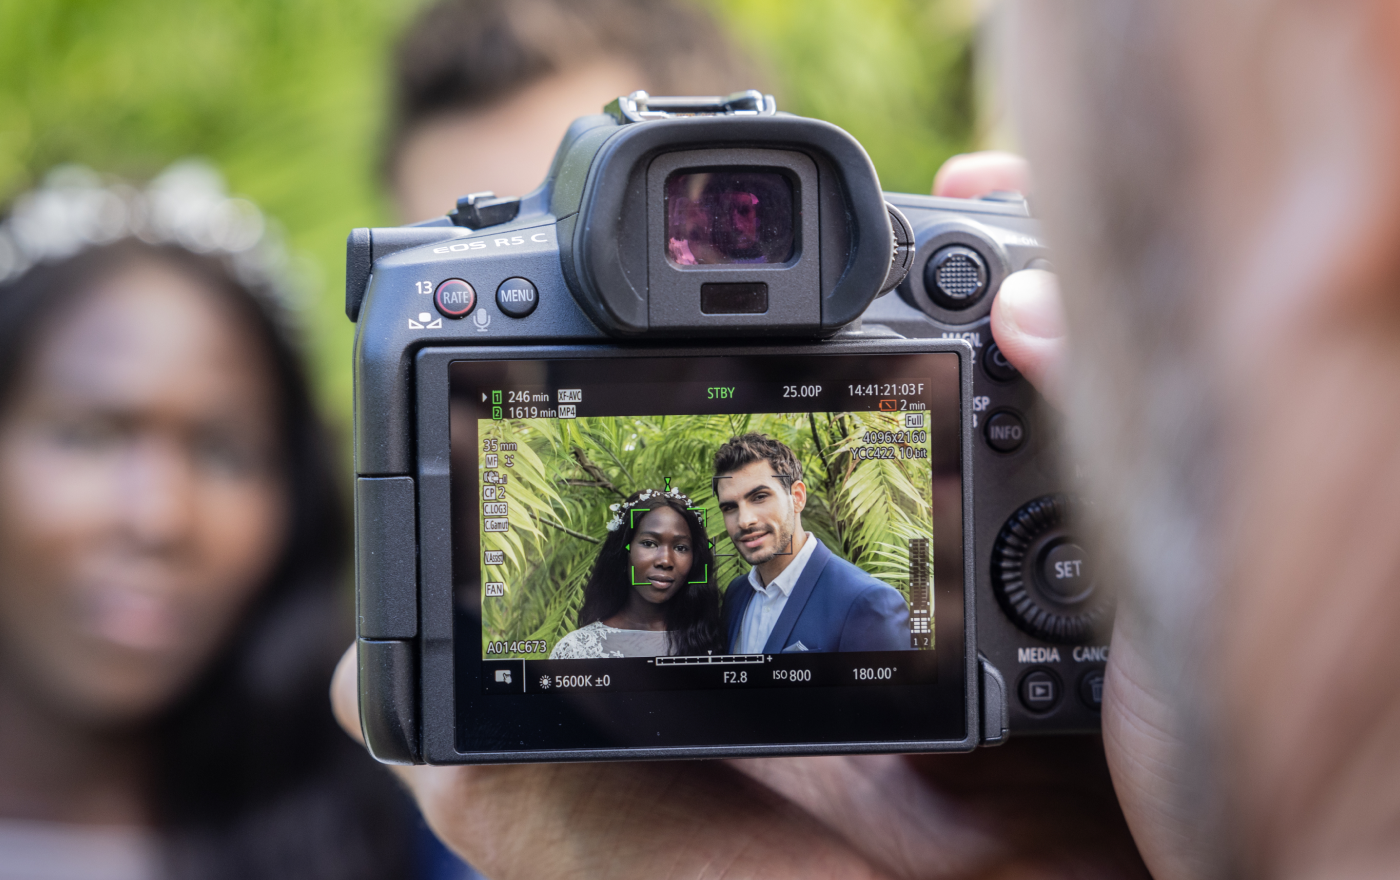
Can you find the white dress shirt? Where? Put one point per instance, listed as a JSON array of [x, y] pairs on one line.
[[768, 601]]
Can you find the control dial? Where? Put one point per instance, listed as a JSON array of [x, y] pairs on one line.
[[1042, 577]]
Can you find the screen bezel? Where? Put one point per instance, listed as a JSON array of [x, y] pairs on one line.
[[437, 660]]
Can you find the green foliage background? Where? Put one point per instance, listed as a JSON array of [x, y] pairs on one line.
[[865, 510], [287, 97]]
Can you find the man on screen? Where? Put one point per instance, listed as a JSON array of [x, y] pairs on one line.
[[799, 596]]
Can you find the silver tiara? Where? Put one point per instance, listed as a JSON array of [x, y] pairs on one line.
[[621, 508], [187, 205]]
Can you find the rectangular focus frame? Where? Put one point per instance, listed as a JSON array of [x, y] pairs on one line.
[[436, 660]]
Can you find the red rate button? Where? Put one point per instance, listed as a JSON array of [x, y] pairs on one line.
[[455, 298]]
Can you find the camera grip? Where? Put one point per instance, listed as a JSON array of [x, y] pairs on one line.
[[388, 708]]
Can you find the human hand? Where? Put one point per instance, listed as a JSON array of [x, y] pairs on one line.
[[1141, 742], [1028, 320], [1034, 808]]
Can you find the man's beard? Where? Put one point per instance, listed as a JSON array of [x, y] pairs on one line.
[[784, 545]]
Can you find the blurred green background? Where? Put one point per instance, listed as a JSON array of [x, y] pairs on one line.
[[287, 98]]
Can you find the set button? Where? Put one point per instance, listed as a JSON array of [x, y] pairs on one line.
[[1065, 572]]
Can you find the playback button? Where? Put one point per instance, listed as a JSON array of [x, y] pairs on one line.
[[1040, 690], [454, 298]]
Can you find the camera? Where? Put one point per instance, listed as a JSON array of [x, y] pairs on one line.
[[703, 448]]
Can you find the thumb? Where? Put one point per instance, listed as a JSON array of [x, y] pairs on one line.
[[1028, 324], [345, 694]]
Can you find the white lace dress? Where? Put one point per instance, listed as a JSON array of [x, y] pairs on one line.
[[600, 640]]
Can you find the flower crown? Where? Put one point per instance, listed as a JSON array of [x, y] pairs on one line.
[[187, 205], [620, 509]]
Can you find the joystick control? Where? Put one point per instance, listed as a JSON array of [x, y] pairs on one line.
[[1041, 575]]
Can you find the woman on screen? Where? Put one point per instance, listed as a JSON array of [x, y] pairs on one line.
[[652, 591]]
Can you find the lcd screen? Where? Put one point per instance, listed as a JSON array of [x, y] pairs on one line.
[[620, 529]]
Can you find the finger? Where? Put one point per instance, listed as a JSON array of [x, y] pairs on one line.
[[1028, 325], [885, 811], [971, 175], [626, 820], [345, 694]]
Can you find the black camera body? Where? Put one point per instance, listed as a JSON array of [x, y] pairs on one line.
[[692, 269]]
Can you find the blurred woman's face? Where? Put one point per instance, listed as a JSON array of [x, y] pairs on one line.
[[142, 502], [660, 554]]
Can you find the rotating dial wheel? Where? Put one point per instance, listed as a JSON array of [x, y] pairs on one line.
[[1041, 576]]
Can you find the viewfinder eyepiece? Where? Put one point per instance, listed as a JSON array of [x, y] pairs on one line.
[[729, 216]]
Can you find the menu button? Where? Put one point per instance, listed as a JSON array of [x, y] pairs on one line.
[[517, 297]]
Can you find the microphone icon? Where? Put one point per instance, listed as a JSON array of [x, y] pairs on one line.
[[482, 320]]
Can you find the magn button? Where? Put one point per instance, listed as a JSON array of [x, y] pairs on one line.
[[455, 298], [517, 297], [995, 364]]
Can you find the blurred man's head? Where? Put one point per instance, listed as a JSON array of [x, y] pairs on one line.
[[1221, 183], [484, 89]]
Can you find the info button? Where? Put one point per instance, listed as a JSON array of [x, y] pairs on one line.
[[455, 298], [517, 297], [1006, 431]]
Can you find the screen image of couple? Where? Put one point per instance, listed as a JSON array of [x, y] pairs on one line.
[[717, 534]]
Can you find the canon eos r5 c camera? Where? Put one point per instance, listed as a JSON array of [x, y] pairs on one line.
[[649, 466]]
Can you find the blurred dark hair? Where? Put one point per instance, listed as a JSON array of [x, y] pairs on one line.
[[253, 778], [692, 615], [746, 449], [463, 54]]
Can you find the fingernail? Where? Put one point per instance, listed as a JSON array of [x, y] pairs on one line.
[[1031, 299]]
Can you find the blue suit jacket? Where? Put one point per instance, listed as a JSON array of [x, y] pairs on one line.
[[835, 606]]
